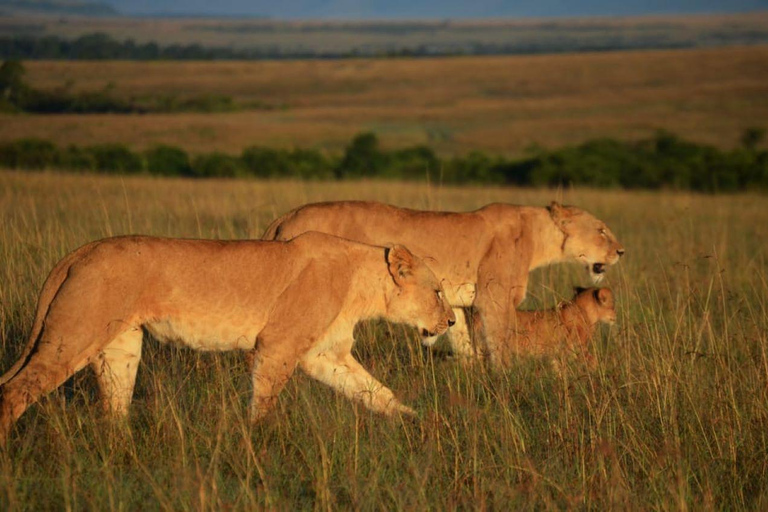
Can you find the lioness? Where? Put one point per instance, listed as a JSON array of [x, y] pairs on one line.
[[564, 330], [481, 257], [291, 303]]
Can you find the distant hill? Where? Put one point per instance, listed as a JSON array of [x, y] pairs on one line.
[[71, 7], [123, 37], [431, 9]]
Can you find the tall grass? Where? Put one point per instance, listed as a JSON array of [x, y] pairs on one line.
[[674, 417]]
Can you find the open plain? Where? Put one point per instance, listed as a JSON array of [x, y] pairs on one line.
[[673, 417], [500, 105]]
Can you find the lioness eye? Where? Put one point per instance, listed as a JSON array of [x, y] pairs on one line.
[[602, 231], [439, 294]]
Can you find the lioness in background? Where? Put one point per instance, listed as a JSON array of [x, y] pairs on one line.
[[293, 303], [482, 257], [564, 330]]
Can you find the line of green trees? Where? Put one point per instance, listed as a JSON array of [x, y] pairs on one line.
[[100, 46], [662, 161], [553, 40], [18, 96]]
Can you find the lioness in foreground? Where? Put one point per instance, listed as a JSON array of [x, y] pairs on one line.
[[564, 330], [481, 257], [293, 303]]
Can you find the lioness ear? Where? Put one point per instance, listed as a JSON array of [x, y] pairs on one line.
[[401, 263], [560, 215], [603, 295]]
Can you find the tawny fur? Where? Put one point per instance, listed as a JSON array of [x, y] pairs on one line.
[[290, 303], [482, 257], [563, 331]]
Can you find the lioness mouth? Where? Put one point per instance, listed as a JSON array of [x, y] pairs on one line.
[[426, 334], [598, 268]]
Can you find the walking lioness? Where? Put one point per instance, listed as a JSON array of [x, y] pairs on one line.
[[481, 257], [291, 303]]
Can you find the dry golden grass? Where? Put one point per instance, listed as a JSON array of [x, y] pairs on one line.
[[673, 418], [496, 104]]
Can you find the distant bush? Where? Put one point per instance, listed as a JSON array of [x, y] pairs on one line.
[[752, 137], [309, 164], [170, 103], [476, 167], [662, 161], [168, 161], [362, 158], [599, 163], [217, 165], [77, 159], [32, 154], [266, 162], [116, 159], [17, 96], [279, 163], [414, 163]]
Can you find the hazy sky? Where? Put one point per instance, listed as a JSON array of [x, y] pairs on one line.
[[372, 9]]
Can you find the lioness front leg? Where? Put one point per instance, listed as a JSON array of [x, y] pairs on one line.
[[500, 288], [343, 373], [459, 338]]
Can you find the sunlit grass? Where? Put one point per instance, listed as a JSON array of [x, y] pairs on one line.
[[674, 417]]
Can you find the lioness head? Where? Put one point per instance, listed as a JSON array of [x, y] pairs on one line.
[[419, 298], [597, 303], [587, 239]]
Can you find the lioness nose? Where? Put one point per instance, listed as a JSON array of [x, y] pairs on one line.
[[620, 252], [451, 322]]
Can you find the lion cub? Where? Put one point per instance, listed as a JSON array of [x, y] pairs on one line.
[[564, 330]]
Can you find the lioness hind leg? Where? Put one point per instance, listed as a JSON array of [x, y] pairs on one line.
[[45, 370], [269, 373], [342, 372], [116, 367]]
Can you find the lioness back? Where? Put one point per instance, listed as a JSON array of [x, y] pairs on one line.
[[482, 257], [442, 236]]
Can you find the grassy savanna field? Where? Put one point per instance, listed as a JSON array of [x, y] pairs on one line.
[[501, 105], [673, 418]]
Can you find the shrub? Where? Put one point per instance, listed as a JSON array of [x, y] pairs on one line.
[[664, 160], [168, 161], [217, 165], [752, 137], [208, 103], [116, 158], [362, 158], [598, 163], [310, 164], [476, 167], [30, 153], [266, 162], [76, 158], [413, 163]]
